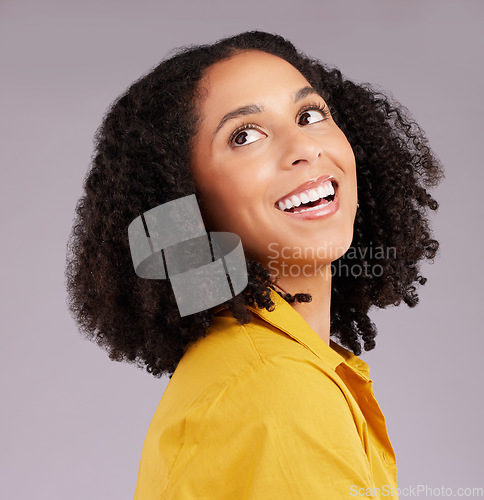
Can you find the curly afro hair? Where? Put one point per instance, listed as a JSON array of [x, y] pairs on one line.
[[142, 158]]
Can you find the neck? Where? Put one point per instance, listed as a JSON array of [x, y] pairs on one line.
[[317, 312]]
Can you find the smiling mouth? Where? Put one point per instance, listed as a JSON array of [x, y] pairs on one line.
[[308, 199]]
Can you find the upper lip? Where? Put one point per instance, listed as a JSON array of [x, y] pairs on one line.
[[311, 183]]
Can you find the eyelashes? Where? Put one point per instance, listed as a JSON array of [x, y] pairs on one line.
[[237, 131], [322, 108], [317, 106]]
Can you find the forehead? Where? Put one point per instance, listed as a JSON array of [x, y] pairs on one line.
[[249, 77]]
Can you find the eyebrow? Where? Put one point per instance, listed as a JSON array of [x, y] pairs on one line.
[[254, 108]]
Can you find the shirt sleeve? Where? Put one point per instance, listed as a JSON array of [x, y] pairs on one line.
[[282, 429]]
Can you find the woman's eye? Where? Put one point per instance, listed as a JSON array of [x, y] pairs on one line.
[[318, 117], [243, 138]]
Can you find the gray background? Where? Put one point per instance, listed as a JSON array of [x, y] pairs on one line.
[[73, 422]]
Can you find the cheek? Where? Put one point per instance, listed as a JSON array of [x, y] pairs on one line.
[[349, 165], [228, 184], [222, 202], [347, 152]]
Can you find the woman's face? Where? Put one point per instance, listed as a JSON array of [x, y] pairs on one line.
[[246, 163]]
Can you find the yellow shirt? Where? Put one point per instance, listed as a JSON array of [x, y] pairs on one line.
[[264, 411]]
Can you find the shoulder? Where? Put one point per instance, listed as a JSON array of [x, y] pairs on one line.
[[275, 412], [277, 408], [229, 350], [253, 366], [291, 390]]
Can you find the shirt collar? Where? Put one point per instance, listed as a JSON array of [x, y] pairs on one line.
[[287, 319]]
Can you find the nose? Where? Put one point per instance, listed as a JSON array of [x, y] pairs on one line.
[[299, 148]]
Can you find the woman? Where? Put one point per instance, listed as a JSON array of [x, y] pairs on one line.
[[325, 183]]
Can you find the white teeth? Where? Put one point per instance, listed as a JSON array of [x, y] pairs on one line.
[[304, 197], [313, 195], [312, 209]]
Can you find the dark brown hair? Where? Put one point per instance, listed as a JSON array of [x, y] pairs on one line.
[[141, 160]]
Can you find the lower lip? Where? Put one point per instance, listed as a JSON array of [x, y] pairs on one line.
[[318, 212]]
